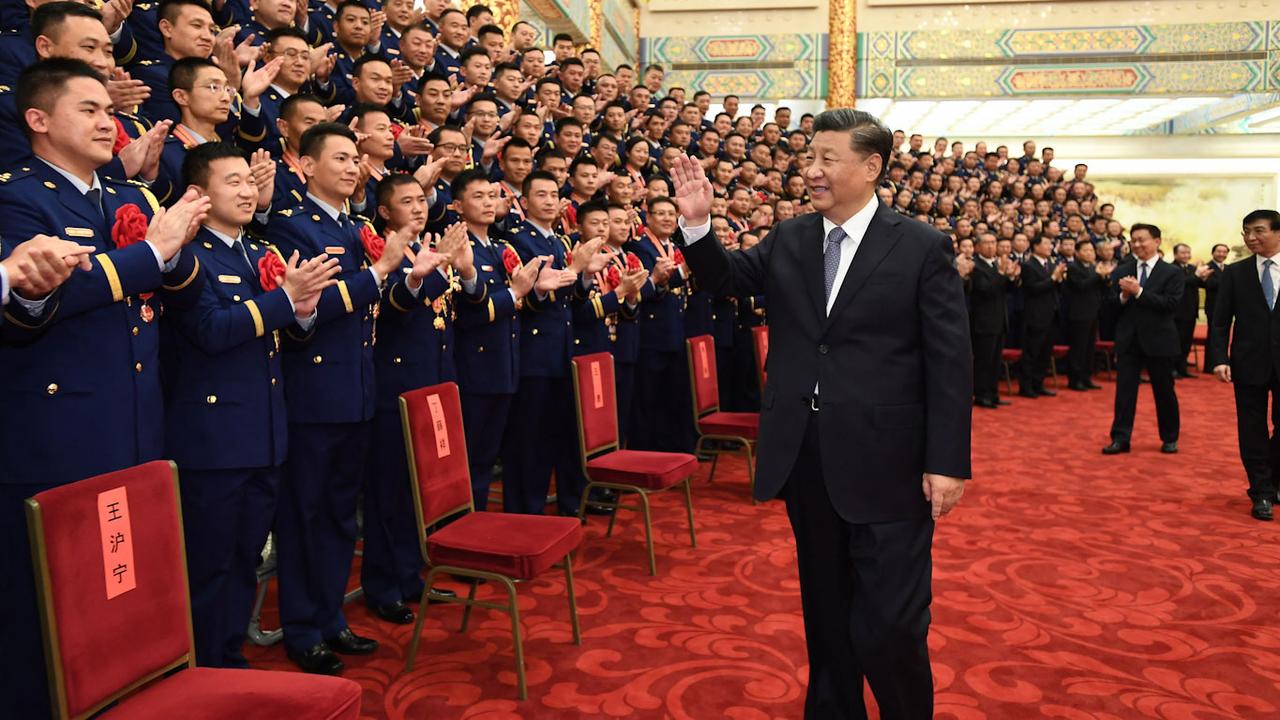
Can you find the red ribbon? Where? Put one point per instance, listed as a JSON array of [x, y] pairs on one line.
[[510, 260], [373, 244], [633, 262], [122, 137], [270, 267], [130, 226]]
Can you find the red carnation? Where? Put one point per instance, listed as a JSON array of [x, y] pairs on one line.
[[122, 138], [270, 269], [571, 216], [396, 129], [130, 226], [613, 276], [510, 260], [373, 244], [678, 256], [633, 262]]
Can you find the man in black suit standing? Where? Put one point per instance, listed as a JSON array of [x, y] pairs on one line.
[[1188, 310], [1040, 278], [1247, 297], [1211, 275], [866, 415], [989, 284], [1085, 286], [1148, 291]]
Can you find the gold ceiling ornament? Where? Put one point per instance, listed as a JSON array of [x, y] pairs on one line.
[[505, 12], [842, 54], [597, 23]]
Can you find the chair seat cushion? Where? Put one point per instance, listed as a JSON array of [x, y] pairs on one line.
[[1061, 351], [518, 546], [216, 693], [649, 470], [1011, 354], [737, 424]]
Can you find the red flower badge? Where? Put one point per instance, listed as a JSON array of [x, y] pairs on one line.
[[122, 138], [677, 256], [510, 260], [633, 262], [373, 243], [613, 277], [129, 227], [270, 271], [396, 129]]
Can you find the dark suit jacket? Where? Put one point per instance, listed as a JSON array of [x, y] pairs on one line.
[[988, 299], [1189, 308], [1084, 289], [1211, 285], [1253, 355], [1040, 293], [893, 360], [1146, 322]]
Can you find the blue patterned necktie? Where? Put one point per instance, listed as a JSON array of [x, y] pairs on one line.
[[1142, 276], [831, 259], [1268, 285]]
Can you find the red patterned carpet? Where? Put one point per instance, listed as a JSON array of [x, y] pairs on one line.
[[1067, 585]]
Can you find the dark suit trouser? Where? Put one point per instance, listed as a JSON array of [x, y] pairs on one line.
[[316, 527], [1083, 340], [662, 414], [987, 350], [1208, 341], [745, 377], [226, 515], [391, 567], [865, 590], [730, 392], [1128, 366], [542, 436], [1186, 334], [1037, 342], [484, 420], [23, 679], [1259, 445]]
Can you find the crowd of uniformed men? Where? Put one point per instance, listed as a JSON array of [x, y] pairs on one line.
[[287, 215]]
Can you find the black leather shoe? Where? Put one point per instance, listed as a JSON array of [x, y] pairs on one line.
[[1046, 393], [396, 612], [1169, 448], [1030, 394], [1262, 509], [1115, 448], [1078, 387], [349, 643], [1185, 375], [985, 403], [319, 660], [594, 509], [1092, 386], [446, 592], [1000, 401]]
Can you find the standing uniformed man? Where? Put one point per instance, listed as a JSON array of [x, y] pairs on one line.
[[329, 387], [227, 385], [541, 435], [92, 378], [414, 350], [188, 30]]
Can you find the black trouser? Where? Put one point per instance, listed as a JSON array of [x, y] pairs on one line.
[[23, 679], [987, 349], [1128, 367], [865, 593], [1259, 444], [1083, 339], [1037, 342], [1186, 334]]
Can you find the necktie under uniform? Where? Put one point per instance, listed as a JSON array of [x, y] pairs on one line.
[[831, 259]]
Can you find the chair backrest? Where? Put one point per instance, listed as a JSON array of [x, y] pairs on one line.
[[760, 340], [111, 577], [702, 375], [436, 448], [597, 403]]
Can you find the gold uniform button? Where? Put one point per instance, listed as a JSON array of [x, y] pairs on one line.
[[236, 298], [576, 341], [273, 381], [211, 400], [366, 343], [396, 361], [535, 331], [317, 359], [444, 347], [271, 354], [137, 367], [134, 331], [52, 389], [480, 349]]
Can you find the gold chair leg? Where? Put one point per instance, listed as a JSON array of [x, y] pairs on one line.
[[751, 472], [573, 600], [513, 610], [471, 598], [1008, 376], [688, 503], [715, 461], [582, 504], [417, 627], [648, 531], [613, 516]]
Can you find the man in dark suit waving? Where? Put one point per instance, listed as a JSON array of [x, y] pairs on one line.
[[1247, 296], [1149, 292], [868, 399]]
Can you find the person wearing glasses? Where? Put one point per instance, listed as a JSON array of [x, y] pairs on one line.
[[449, 157], [296, 76]]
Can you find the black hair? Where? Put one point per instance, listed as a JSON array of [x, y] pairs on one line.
[[195, 166], [466, 179], [41, 83], [538, 175], [53, 14], [313, 139]]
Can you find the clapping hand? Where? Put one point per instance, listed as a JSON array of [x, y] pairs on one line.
[[175, 226], [587, 258], [524, 276], [456, 244], [263, 169], [1204, 271], [551, 279], [632, 281], [393, 252], [304, 281], [1129, 285]]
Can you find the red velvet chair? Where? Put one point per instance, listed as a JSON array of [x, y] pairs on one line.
[[1008, 357], [1108, 350], [741, 429], [111, 577], [1059, 352], [760, 343], [499, 547], [627, 471]]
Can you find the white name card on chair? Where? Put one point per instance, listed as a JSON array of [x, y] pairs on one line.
[[117, 541]]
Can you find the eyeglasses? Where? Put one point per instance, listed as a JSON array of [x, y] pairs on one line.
[[217, 88], [453, 148]]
